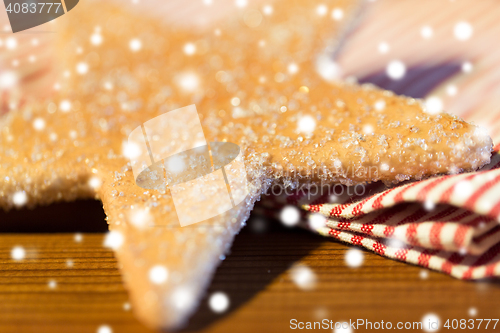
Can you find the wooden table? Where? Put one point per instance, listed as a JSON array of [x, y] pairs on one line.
[[89, 292]]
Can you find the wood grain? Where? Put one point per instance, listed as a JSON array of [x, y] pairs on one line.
[[255, 276]]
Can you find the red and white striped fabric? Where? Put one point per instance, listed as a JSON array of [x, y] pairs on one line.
[[448, 223]]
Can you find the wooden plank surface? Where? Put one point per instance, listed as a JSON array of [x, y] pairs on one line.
[[89, 291]]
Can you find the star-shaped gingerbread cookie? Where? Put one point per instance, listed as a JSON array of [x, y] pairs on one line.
[[255, 83]]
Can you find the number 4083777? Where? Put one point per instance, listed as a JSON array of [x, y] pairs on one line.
[[42, 7], [471, 324]]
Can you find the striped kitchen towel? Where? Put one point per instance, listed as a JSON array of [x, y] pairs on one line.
[[447, 223]]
